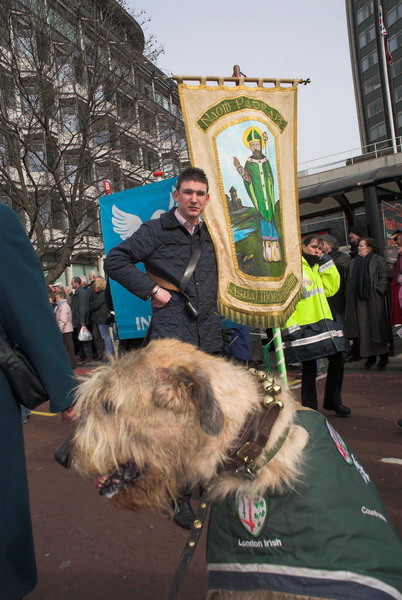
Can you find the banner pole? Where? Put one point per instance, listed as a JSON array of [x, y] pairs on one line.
[[280, 357]]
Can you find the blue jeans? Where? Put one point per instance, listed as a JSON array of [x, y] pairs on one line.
[[105, 335]]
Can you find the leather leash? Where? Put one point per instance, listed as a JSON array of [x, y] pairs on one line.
[[189, 548]]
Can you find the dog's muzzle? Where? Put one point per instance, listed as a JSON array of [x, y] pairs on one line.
[[117, 481], [63, 452]]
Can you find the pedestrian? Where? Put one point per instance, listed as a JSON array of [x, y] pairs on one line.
[[311, 333], [355, 233], [36, 332], [101, 318], [366, 305], [64, 320], [183, 307], [80, 310], [337, 302], [395, 276]]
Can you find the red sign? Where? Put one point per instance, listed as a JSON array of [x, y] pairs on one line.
[[107, 186]]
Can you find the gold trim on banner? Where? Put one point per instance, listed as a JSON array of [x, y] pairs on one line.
[[238, 271], [235, 311], [258, 80]]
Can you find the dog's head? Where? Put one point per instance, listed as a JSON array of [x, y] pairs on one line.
[[142, 420]]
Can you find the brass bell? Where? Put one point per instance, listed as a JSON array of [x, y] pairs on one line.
[[271, 380], [262, 374], [276, 389], [267, 386], [268, 401], [279, 403], [191, 544], [197, 524], [253, 371]]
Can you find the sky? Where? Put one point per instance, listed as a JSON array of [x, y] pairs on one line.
[[285, 39]]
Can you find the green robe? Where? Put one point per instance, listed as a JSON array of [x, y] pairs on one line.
[[261, 188], [330, 537]]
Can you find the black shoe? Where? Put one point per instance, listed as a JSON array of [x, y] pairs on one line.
[[382, 363], [184, 516], [370, 362], [352, 358], [339, 409], [399, 423]]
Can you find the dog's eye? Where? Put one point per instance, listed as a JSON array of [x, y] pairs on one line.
[[107, 405]]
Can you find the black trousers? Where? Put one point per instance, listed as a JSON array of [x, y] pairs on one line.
[[333, 386]]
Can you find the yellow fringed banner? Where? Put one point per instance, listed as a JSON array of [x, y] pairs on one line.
[[244, 138]]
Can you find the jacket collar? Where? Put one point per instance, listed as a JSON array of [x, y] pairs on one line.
[[168, 219]]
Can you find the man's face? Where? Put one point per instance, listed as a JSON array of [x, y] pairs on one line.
[[255, 147], [326, 247], [74, 284], [313, 248], [354, 238], [191, 198]]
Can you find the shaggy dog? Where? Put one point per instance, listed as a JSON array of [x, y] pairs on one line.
[[294, 513]]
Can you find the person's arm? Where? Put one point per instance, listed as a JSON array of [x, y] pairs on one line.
[[96, 303], [35, 330], [120, 263], [329, 275], [63, 316], [382, 270]]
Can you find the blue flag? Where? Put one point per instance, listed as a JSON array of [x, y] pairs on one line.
[[121, 215]]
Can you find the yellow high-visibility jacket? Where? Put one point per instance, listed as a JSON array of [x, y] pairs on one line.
[[310, 332]]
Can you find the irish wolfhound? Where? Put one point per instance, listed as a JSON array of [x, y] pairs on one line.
[[294, 513]]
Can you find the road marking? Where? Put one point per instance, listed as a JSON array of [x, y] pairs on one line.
[[394, 461], [46, 414]]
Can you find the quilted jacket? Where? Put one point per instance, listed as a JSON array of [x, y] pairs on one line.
[[165, 247]]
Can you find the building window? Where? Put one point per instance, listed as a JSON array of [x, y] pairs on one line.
[[364, 12], [125, 106], [374, 107], [369, 60], [25, 44], [69, 119], [151, 159], [372, 84], [399, 120], [30, 100], [394, 14], [377, 132], [64, 69], [398, 93], [395, 41], [147, 122], [397, 67], [366, 37], [37, 157], [129, 150]]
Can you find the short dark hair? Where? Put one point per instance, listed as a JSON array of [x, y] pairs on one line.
[[331, 240], [309, 238], [62, 294], [77, 280], [192, 174], [371, 243]]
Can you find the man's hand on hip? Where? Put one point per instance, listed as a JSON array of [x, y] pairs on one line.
[[160, 299]]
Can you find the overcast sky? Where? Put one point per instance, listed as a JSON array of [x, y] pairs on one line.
[[287, 38]]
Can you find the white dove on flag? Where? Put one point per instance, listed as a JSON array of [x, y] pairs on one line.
[[125, 224]]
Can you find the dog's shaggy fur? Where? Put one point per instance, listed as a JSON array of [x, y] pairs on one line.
[[172, 413], [176, 411]]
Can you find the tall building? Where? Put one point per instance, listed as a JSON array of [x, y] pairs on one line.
[[376, 112], [81, 102]]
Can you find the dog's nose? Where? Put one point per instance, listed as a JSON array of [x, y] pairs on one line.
[[63, 452]]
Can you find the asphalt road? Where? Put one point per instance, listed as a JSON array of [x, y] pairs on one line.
[[88, 550]]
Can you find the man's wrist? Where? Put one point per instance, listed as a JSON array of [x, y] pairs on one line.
[[155, 291]]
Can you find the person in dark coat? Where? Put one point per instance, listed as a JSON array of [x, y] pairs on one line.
[[36, 331], [337, 302], [395, 276], [100, 319], [366, 305], [165, 246], [80, 310], [355, 233]]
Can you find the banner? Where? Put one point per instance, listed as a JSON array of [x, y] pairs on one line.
[[245, 139], [121, 215]]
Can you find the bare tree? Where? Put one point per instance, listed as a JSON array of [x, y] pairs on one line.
[[78, 106]]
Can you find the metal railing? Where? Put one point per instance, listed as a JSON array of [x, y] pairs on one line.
[[348, 157]]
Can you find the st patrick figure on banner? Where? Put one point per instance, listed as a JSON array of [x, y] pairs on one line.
[[259, 182]]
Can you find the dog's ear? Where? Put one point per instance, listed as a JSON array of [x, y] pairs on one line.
[[176, 386]]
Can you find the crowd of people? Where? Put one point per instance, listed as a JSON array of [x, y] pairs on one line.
[[84, 318]]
